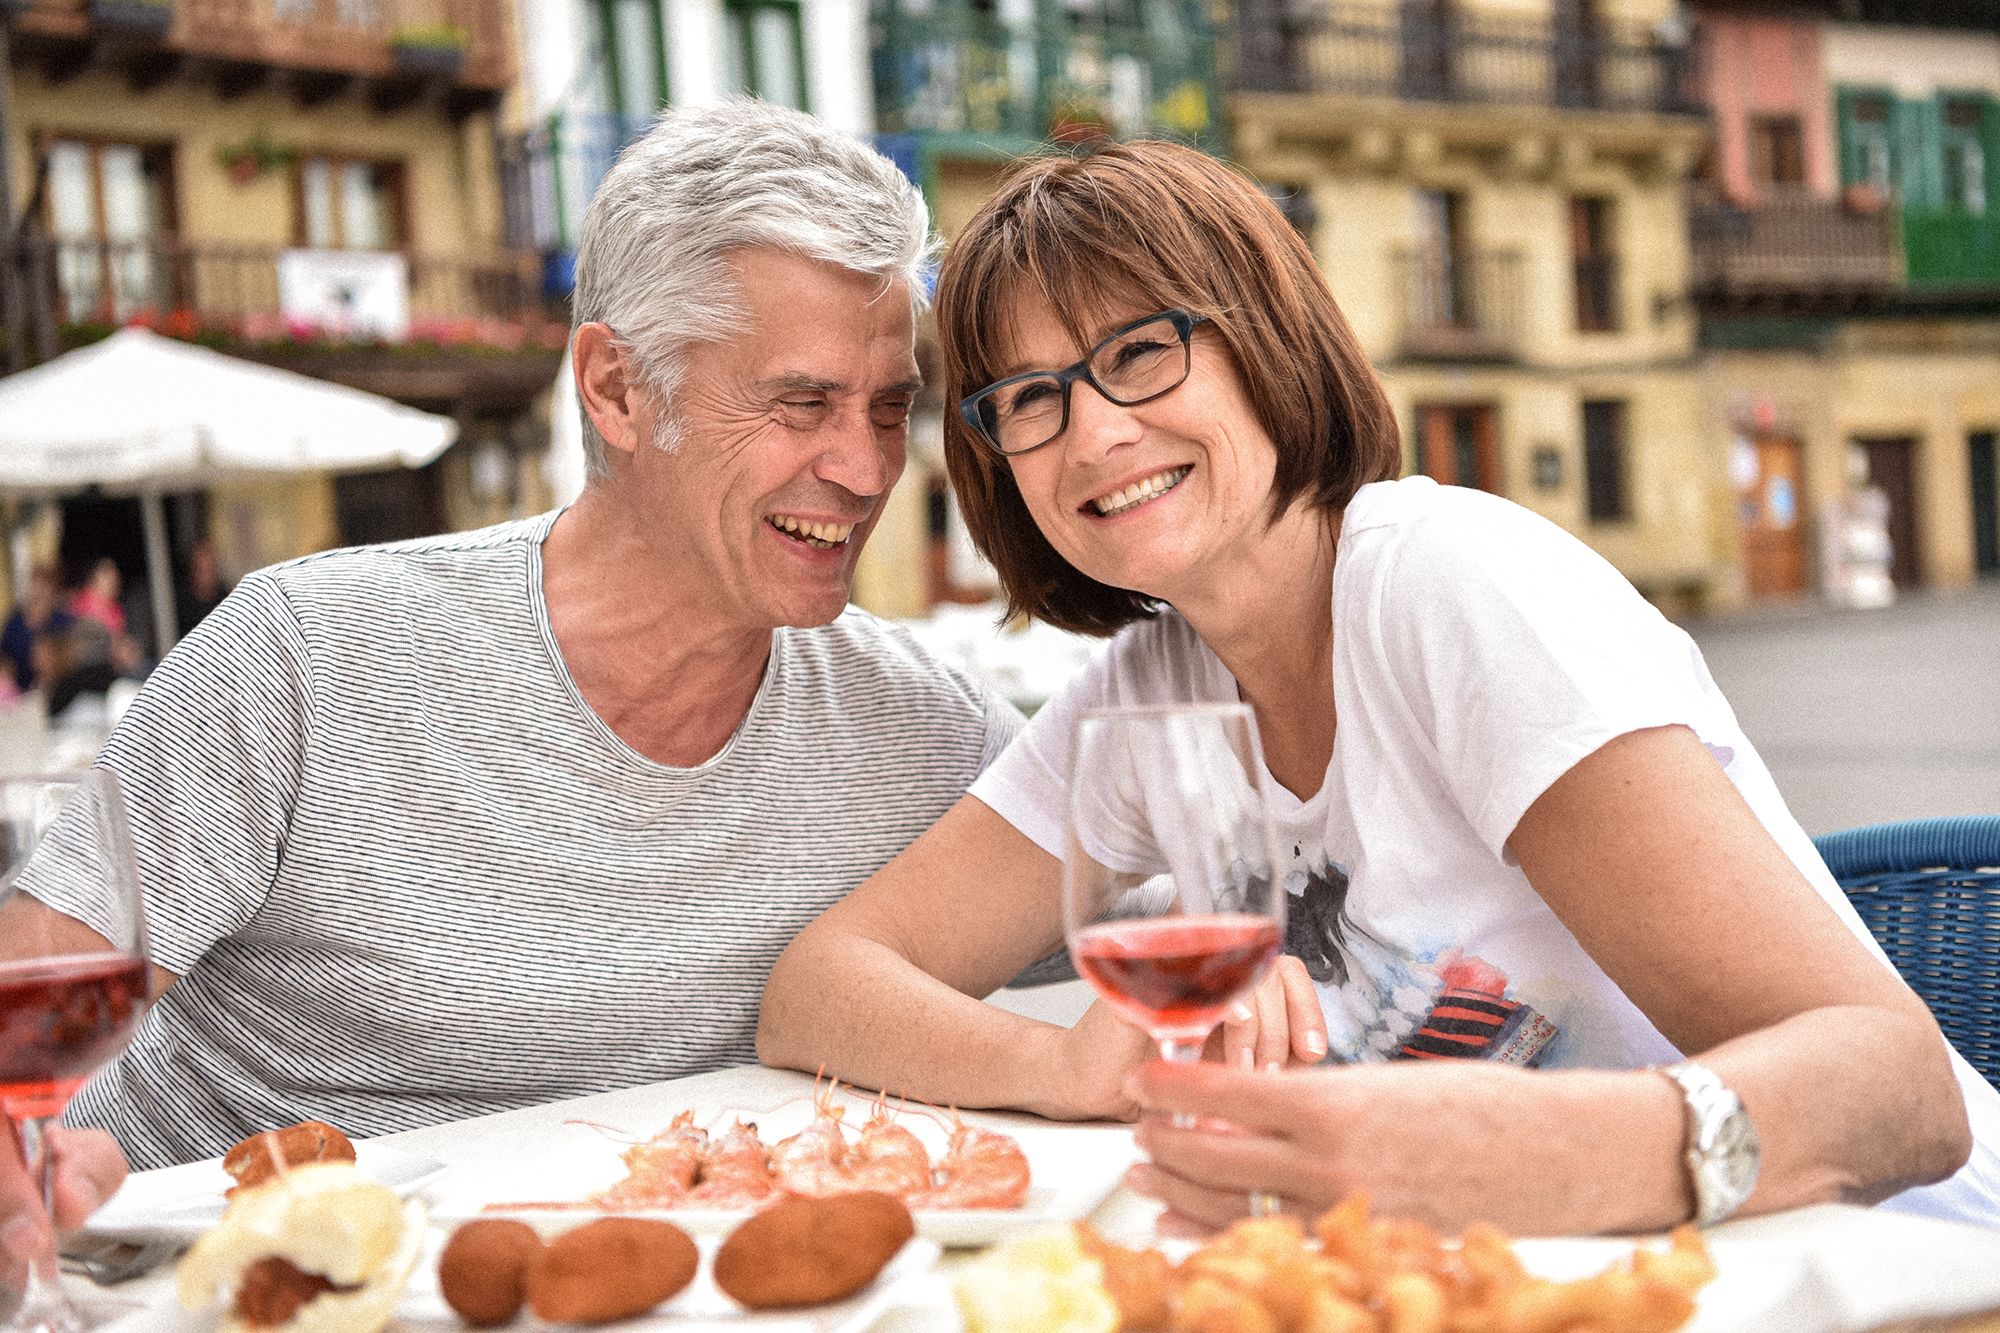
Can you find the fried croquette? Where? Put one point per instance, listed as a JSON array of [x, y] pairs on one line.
[[483, 1272], [810, 1251], [261, 1156], [273, 1290], [1140, 1282], [610, 1269]]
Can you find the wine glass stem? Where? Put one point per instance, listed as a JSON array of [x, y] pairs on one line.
[[43, 1307], [1181, 1051]]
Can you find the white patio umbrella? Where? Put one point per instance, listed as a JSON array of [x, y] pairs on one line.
[[141, 413]]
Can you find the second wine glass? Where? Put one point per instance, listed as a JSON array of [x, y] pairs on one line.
[[1172, 903]]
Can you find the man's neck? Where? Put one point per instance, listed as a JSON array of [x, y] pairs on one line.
[[649, 660]]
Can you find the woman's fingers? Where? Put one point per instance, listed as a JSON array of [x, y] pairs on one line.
[[1304, 1019], [1239, 1034], [1219, 1158], [89, 1169], [1211, 1208], [1253, 1099]]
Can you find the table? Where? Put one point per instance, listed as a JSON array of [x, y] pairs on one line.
[[1866, 1270]]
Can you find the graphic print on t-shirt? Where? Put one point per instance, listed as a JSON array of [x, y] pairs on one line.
[[1382, 1004]]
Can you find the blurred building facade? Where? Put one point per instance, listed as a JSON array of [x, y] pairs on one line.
[[963, 88], [1496, 193], [308, 183], [1847, 276]]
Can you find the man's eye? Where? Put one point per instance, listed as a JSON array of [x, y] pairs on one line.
[[891, 414]]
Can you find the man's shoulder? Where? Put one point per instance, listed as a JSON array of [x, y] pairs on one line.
[[404, 566], [867, 656]]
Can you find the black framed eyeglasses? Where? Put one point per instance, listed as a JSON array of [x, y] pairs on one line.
[[1134, 364]]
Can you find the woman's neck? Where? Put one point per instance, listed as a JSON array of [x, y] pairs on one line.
[[1269, 617]]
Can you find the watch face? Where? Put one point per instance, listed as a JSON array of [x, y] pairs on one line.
[[1736, 1155]]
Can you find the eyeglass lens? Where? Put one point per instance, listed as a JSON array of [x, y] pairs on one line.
[[1128, 367]]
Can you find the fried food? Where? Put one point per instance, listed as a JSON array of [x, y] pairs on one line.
[[1042, 1282], [610, 1269], [315, 1249], [810, 1251], [483, 1272], [261, 1156], [1352, 1274]]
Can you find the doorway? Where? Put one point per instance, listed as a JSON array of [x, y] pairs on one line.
[[1892, 470], [1459, 444], [1980, 444], [1768, 511]]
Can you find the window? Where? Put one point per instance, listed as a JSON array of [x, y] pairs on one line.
[[635, 55], [1458, 444], [111, 216], [1440, 295], [1595, 262], [763, 50], [1865, 141], [1777, 150], [1964, 154], [346, 204], [1604, 460]]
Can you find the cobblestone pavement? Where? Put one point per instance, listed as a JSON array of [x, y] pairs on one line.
[[1866, 716]]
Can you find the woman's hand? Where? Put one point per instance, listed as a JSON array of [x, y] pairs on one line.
[[89, 1169], [1277, 1025], [1536, 1153]]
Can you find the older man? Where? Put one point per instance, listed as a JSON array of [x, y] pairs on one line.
[[469, 823]]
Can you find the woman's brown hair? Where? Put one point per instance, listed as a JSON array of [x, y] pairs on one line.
[[1133, 228]]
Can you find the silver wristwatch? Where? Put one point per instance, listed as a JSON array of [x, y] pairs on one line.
[[1722, 1150]]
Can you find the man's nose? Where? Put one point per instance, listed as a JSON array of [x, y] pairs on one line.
[[855, 457]]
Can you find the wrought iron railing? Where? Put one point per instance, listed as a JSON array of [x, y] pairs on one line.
[[549, 173], [1793, 243], [234, 290], [1458, 305], [1058, 72], [1421, 50]]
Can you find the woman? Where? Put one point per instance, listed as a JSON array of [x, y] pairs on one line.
[[1505, 781]]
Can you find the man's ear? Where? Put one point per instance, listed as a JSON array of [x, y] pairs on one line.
[[605, 386]]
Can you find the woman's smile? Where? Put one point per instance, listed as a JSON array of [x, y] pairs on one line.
[[1131, 496]]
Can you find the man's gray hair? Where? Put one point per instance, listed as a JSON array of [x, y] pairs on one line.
[[703, 182]]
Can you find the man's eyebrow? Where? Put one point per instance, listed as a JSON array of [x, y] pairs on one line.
[[914, 384], [798, 384]]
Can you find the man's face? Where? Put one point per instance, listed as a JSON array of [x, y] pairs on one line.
[[792, 433]]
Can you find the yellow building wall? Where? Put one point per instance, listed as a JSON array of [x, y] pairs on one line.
[[256, 522], [1826, 401], [449, 170]]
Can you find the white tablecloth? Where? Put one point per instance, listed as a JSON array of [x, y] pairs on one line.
[[1826, 1269]]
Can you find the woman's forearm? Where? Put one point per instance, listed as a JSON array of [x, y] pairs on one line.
[[856, 1007]]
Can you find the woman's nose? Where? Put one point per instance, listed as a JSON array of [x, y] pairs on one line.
[[1096, 424]]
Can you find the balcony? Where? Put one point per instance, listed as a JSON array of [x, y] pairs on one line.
[[442, 327], [1422, 51], [1458, 306], [1952, 249], [1793, 251], [547, 176], [1065, 74], [395, 50]]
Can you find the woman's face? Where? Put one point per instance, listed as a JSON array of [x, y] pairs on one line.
[[1150, 497]]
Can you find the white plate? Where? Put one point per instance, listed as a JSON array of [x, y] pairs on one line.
[[1072, 1168], [1756, 1287], [181, 1202], [702, 1305]]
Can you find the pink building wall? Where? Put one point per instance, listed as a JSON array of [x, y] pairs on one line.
[[1761, 66]]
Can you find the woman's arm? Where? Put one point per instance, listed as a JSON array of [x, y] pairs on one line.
[[1654, 861], [886, 988]]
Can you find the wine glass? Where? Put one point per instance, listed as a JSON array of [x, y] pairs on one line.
[[73, 977], [1172, 903]]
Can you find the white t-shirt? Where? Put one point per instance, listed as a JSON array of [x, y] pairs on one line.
[[1479, 653]]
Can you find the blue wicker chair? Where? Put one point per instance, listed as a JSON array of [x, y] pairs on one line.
[[1930, 891]]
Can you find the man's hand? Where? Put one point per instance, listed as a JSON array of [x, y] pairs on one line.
[[89, 1169]]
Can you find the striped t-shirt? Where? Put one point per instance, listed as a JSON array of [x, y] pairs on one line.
[[406, 875]]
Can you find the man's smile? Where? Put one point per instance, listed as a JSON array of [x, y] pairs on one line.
[[820, 535]]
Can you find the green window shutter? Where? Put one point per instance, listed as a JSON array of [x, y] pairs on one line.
[[1851, 170], [1916, 127]]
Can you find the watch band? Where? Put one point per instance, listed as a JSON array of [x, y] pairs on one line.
[[1723, 1154]]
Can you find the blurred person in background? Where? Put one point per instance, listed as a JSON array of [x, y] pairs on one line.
[[100, 597], [1524, 826], [39, 612], [203, 589], [487, 820]]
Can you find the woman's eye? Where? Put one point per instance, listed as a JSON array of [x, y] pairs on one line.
[[1136, 353], [1028, 396]]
